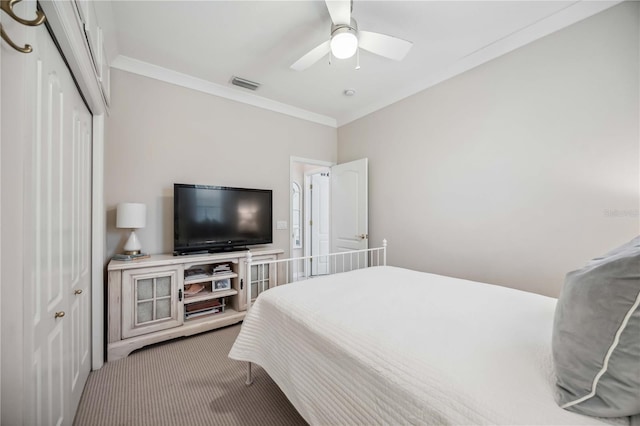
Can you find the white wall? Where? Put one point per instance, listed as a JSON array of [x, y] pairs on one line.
[[159, 134], [517, 171]]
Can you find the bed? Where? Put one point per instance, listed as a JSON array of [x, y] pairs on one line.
[[386, 345]]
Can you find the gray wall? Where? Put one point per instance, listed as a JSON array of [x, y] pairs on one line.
[[517, 171], [159, 134]]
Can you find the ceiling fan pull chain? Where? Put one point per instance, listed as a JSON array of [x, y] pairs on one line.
[[358, 58], [330, 56]]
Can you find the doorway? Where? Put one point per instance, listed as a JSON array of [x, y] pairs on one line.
[[310, 215], [328, 212]]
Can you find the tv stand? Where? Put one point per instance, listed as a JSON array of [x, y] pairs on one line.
[[152, 300]]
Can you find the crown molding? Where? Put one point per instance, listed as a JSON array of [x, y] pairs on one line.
[[135, 66], [571, 14]]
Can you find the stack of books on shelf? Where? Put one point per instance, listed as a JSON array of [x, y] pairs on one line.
[[221, 269], [205, 307], [196, 273]]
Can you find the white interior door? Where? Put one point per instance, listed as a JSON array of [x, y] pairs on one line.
[[52, 131], [320, 189], [349, 206]]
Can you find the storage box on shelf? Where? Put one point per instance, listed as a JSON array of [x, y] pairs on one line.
[[164, 296]]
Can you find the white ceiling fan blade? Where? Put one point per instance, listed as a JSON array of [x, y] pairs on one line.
[[312, 57], [340, 11], [384, 45]]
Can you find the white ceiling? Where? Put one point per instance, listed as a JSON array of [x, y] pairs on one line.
[[211, 41]]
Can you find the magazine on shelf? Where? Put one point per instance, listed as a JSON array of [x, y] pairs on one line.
[[192, 289]]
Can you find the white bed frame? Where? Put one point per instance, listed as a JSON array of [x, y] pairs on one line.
[[336, 263]]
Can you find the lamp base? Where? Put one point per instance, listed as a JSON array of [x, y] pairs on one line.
[[132, 245]]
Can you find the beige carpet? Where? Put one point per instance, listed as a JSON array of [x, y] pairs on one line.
[[188, 381]]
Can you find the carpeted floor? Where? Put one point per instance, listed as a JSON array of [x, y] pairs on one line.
[[188, 381]]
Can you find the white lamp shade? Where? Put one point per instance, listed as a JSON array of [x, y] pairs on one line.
[[131, 215]]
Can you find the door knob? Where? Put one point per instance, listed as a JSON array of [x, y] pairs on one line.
[[59, 314], [363, 236], [78, 291]]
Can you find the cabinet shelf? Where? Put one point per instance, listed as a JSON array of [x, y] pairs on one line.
[[208, 278], [206, 295]]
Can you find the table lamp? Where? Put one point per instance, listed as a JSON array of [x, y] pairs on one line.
[[131, 216]]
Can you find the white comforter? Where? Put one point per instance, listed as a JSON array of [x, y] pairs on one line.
[[386, 345]]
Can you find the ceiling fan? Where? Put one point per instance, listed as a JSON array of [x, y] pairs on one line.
[[346, 39]]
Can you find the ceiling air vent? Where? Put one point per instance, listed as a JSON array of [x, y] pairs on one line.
[[251, 85]]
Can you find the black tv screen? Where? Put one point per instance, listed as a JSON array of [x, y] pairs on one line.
[[218, 218]]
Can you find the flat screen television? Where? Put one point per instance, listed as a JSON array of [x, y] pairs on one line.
[[218, 218]]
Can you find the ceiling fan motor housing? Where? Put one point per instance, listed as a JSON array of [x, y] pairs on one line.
[[352, 27]]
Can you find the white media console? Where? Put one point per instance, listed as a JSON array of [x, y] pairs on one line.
[[166, 296]]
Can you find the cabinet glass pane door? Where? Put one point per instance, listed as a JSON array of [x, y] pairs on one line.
[[150, 300], [153, 299], [259, 279]]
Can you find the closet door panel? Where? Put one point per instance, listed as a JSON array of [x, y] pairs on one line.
[[46, 220], [60, 200], [79, 245]]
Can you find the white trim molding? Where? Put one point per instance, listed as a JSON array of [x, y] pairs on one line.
[[146, 69], [98, 244], [61, 15]]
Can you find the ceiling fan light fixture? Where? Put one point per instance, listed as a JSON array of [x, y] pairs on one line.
[[344, 43]]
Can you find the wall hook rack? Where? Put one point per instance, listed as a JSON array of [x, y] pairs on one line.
[[7, 6]]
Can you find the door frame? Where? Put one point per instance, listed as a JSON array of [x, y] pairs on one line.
[[311, 162]]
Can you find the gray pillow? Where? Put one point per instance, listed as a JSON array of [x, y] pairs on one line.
[[625, 247], [596, 336]]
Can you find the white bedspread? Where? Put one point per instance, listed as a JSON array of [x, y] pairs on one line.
[[386, 345]]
